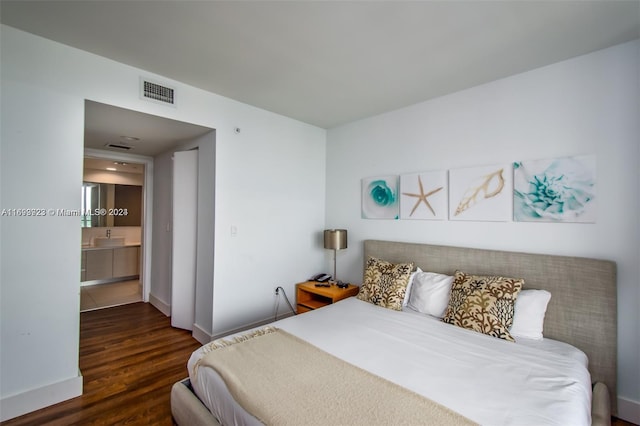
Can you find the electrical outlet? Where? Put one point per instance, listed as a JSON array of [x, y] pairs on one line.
[[277, 291]]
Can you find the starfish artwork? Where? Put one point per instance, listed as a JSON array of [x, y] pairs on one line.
[[422, 197]]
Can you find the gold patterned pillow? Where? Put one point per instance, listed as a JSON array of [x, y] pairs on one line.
[[385, 283], [483, 303]]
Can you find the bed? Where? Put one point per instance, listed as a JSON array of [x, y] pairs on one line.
[[569, 377]]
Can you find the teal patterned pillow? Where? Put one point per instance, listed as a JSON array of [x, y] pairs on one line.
[[385, 283]]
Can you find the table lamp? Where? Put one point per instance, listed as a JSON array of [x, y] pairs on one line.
[[335, 239]]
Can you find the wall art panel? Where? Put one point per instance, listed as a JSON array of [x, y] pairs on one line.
[[555, 190], [380, 197], [481, 193], [424, 195]]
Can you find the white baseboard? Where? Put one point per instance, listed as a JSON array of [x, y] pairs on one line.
[[201, 335], [204, 337], [629, 410], [35, 399], [160, 305]]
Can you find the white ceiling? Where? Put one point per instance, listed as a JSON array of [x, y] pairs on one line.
[[101, 165], [331, 62]]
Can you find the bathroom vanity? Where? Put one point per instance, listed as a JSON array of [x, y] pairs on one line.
[[108, 264]]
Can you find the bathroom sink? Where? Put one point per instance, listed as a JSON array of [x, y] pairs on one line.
[[108, 242]]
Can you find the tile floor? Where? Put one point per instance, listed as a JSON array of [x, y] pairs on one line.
[[112, 294]]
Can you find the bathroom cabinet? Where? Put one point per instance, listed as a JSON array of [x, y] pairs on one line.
[[110, 263], [125, 261], [99, 264]]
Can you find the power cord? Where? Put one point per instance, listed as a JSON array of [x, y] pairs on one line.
[[275, 318]]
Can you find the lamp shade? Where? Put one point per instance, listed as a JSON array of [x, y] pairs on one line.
[[335, 239]]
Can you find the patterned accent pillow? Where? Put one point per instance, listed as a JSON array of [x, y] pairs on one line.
[[385, 283], [483, 303]]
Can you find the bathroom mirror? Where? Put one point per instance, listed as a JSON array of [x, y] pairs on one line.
[[111, 205]]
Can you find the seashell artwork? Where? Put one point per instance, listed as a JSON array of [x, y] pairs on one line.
[[481, 193], [487, 186]]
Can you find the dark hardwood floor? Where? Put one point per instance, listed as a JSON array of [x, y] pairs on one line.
[[130, 356]]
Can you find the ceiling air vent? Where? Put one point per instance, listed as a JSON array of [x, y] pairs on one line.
[[157, 92], [118, 146]]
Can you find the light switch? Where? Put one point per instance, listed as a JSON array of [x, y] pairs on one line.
[[234, 230]]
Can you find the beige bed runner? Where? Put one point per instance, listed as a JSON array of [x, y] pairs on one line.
[[283, 380]]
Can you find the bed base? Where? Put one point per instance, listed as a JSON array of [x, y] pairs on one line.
[[188, 410], [186, 407]]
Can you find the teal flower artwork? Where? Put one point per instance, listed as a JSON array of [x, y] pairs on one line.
[[380, 193], [557, 190], [380, 198]]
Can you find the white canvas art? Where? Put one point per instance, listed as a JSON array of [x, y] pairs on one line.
[[481, 193], [424, 196], [380, 198], [555, 190]]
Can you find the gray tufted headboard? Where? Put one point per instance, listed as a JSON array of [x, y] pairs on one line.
[[583, 306]]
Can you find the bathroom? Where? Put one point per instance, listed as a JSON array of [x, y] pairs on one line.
[[112, 197]]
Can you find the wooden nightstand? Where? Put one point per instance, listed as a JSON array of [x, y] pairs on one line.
[[310, 297]]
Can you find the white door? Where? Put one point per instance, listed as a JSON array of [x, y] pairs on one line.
[[185, 227]]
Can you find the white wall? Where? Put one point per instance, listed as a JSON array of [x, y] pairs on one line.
[[268, 178], [271, 191], [41, 167], [587, 105]]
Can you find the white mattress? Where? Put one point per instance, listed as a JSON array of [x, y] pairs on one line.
[[488, 380]]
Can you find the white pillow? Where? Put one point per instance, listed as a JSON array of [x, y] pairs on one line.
[[406, 293], [529, 311], [430, 293]]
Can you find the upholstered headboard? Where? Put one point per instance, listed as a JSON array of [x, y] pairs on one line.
[[583, 306]]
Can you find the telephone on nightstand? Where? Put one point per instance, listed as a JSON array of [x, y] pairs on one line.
[[321, 278]]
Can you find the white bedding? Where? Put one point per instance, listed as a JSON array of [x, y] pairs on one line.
[[488, 380]]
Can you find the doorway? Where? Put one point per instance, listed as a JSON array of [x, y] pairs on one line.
[[112, 203]]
